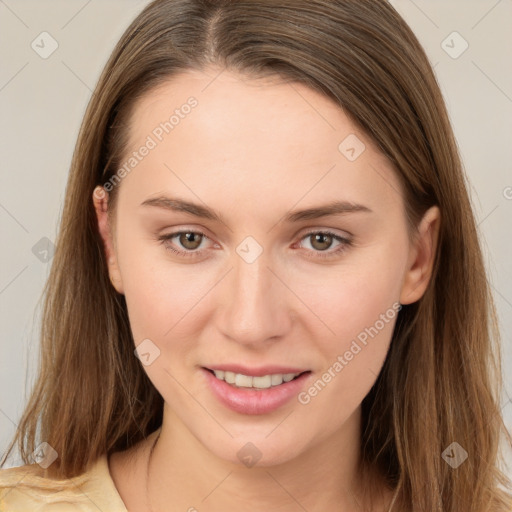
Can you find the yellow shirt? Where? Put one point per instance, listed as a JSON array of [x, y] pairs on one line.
[[24, 489]]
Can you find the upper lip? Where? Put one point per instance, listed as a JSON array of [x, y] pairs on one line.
[[256, 372]]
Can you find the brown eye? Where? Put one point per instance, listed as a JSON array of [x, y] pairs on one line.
[[190, 240], [321, 241], [184, 243], [324, 244]]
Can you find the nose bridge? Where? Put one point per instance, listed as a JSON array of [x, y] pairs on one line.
[[255, 304]]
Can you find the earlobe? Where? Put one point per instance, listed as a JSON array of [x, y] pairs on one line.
[[100, 201], [421, 257]]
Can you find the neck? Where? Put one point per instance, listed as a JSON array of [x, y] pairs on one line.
[[185, 475]]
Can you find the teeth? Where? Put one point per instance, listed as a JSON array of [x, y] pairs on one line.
[[246, 381], [276, 379], [229, 377], [243, 381]]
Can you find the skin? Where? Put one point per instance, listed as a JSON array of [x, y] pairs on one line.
[[253, 150]]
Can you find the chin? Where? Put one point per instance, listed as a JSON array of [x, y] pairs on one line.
[[256, 450]]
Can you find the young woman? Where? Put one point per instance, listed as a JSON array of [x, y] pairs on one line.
[[268, 291]]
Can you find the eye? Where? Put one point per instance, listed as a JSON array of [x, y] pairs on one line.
[[189, 240], [322, 241]]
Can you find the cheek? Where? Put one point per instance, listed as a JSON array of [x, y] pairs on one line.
[[359, 305], [352, 358], [354, 295], [161, 297]]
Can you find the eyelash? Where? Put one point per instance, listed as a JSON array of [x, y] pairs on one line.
[[345, 244]]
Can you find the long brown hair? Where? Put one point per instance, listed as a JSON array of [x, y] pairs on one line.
[[441, 381]]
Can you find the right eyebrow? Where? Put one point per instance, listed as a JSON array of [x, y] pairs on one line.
[[180, 205]]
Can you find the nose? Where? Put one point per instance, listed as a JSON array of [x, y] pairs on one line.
[[255, 304]]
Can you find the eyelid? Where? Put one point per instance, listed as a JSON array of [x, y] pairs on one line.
[[318, 229]]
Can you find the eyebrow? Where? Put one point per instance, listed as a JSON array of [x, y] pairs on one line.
[[332, 208]]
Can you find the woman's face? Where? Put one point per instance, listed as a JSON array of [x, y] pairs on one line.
[[265, 282]]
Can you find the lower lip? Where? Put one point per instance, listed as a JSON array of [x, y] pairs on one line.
[[254, 401]]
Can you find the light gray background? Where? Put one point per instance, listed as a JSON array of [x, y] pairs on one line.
[[43, 100]]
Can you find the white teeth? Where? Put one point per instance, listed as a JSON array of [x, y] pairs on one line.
[[262, 382], [246, 381], [277, 379], [243, 381], [229, 377]]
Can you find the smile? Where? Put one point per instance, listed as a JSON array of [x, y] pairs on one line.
[[261, 394], [246, 381]]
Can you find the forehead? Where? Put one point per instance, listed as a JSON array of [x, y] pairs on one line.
[[256, 137], [226, 98]]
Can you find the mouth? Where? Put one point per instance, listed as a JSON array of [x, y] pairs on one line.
[[261, 382], [255, 394]]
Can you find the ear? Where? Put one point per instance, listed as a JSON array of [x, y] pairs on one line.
[[100, 200], [421, 257]]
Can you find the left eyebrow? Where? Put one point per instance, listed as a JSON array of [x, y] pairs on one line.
[[334, 208]]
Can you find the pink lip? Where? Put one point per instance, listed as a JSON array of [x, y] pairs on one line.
[[253, 401], [256, 372]]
